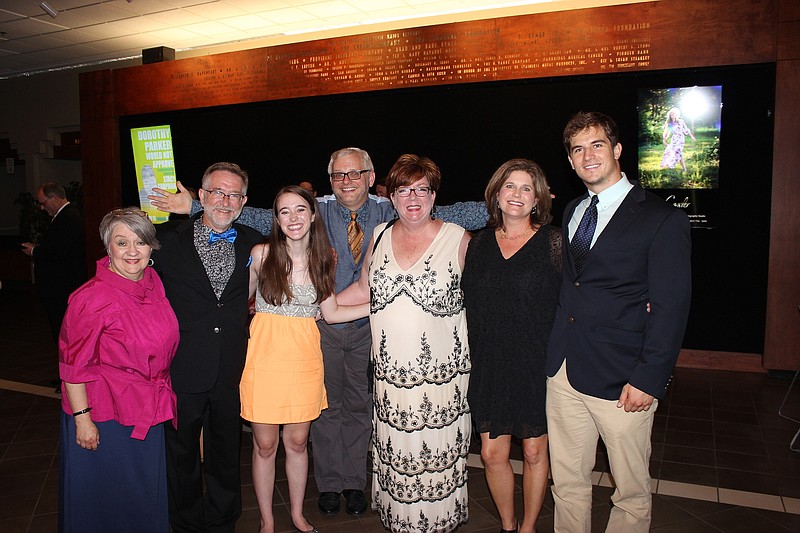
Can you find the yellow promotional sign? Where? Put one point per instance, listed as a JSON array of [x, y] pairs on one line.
[[155, 166]]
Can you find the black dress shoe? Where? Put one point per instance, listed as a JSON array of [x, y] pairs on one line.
[[354, 501], [328, 502]]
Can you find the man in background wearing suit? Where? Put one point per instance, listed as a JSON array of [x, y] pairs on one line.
[[618, 329], [59, 260], [204, 265]]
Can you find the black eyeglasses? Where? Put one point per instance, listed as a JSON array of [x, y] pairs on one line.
[[404, 192], [352, 174], [234, 197]]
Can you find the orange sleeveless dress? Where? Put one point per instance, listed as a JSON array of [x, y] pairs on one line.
[[283, 378]]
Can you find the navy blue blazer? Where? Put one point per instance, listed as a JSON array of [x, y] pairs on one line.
[[602, 327], [214, 333]]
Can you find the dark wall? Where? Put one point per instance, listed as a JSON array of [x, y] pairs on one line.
[[469, 130]]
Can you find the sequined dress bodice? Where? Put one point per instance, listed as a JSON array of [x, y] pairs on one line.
[[301, 305]]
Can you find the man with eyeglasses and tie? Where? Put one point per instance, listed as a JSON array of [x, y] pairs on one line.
[[340, 436], [204, 264], [618, 329]]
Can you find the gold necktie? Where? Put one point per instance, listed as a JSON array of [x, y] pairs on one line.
[[355, 236]]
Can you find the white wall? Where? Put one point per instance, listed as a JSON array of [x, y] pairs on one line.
[[33, 111]]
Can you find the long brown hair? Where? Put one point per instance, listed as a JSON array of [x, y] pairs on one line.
[[276, 267]]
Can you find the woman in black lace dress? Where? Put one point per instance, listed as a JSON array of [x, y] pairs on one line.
[[511, 283]]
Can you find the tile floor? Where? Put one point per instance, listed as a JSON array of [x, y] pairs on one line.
[[721, 459]]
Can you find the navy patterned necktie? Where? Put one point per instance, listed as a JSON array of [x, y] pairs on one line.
[[582, 240]]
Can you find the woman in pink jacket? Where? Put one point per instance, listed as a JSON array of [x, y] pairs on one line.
[[116, 345]]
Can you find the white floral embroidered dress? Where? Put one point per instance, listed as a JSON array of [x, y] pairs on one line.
[[421, 356]]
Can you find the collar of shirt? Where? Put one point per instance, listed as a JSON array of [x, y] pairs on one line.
[[60, 209], [201, 240], [361, 216], [203, 230], [612, 195], [141, 290], [608, 201]]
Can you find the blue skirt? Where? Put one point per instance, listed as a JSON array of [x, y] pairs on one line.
[[120, 487]]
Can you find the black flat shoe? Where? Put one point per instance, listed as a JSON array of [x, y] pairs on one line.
[[312, 530], [355, 502], [328, 502]]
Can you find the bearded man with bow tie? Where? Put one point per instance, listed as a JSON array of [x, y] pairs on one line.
[[204, 265]]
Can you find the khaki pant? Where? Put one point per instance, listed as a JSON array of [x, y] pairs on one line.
[[574, 423]]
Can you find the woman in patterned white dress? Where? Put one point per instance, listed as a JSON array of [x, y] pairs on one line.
[[674, 137], [421, 356], [282, 382]]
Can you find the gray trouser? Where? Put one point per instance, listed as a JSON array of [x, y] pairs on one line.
[[340, 436]]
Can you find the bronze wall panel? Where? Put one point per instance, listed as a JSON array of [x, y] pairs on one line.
[[206, 81], [649, 36]]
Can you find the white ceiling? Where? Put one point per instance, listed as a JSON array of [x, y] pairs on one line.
[[91, 32]]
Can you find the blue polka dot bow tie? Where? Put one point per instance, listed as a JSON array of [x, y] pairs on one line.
[[229, 236]]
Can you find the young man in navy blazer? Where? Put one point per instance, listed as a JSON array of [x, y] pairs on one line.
[[618, 330]]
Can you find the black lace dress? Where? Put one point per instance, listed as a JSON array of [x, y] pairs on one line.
[[510, 306]]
